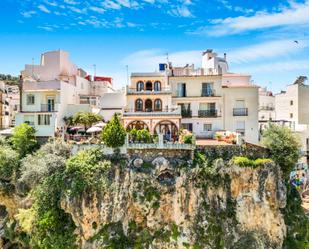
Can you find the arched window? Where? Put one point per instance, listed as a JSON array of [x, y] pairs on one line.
[[140, 86], [157, 86], [148, 86], [139, 105], [158, 105], [148, 105]]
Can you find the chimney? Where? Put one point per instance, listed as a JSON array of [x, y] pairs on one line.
[[225, 56]]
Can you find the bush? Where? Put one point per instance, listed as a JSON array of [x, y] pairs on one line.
[[284, 147], [144, 136], [49, 159], [186, 137], [23, 139], [87, 170], [9, 162], [246, 162], [114, 134]]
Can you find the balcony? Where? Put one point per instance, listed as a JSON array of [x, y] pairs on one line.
[[267, 108], [134, 91], [186, 113], [42, 86], [208, 93], [207, 113], [47, 108], [240, 111], [164, 112]]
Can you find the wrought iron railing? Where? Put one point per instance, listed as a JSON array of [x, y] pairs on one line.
[[208, 113], [240, 112]]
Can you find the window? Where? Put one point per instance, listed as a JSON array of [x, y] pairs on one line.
[[44, 119], [291, 102], [139, 105], [181, 90], [148, 86], [240, 127], [29, 119], [30, 99], [187, 126], [158, 105], [207, 89], [240, 104], [291, 115], [207, 127], [140, 86], [157, 86]]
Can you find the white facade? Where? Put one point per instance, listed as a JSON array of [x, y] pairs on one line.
[[292, 107], [51, 91]]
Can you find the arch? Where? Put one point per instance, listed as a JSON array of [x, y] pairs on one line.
[[157, 86], [139, 105], [138, 125], [148, 86], [158, 105], [140, 86], [148, 105], [168, 128]]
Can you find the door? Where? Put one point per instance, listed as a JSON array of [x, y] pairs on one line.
[[50, 104]]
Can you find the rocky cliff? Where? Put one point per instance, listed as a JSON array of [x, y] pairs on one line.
[[173, 204]]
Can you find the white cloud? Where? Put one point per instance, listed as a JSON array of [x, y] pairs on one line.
[[43, 8], [72, 2], [97, 9], [264, 50], [28, 14], [296, 14], [147, 60], [54, 4], [46, 28], [290, 65], [182, 9]]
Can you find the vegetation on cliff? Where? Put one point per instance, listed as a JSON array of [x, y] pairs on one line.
[[90, 200]]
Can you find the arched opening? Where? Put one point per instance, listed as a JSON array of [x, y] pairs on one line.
[[148, 105], [158, 105], [157, 86], [138, 125], [148, 86], [168, 129], [139, 105], [140, 86]]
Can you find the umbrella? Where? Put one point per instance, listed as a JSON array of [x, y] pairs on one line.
[[75, 128], [94, 129], [100, 124]]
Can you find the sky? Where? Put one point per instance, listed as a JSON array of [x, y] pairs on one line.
[[267, 39]]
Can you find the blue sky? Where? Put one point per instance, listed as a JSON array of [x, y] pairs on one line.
[[257, 35]]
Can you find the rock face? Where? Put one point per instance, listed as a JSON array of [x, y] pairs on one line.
[[164, 205]]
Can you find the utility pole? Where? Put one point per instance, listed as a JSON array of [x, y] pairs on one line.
[[94, 69], [127, 68]]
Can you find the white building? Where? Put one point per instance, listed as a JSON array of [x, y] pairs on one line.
[[53, 90], [4, 107], [292, 107], [203, 100]]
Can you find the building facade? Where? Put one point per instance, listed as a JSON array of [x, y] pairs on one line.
[[4, 107], [203, 100], [53, 90], [291, 108]]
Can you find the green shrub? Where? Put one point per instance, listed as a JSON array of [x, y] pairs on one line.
[[144, 136], [246, 162], [114, 134], [86, 170], [9, 162], [23, 139], [284, 147]]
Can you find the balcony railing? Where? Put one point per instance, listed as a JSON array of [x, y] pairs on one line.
[[267, 108], [135, 91], [209, 93], [164, 112], [208, 113], [185, 113], [47, 108], [240, 112]]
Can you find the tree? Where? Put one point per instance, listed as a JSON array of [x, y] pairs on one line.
[[284, 147], [23, 139], [87, 119], [9, 161], [114, 134]]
